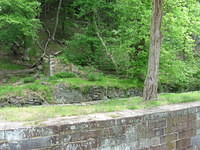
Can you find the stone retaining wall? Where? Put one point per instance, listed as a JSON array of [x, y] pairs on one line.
[[64, 94], [175, 127]]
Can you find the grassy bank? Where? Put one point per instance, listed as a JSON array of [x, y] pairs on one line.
[[45, 112], [45, 87], [5, 64]]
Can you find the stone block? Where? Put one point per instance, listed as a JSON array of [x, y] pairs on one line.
[[2, 135], [186, 133], [195, 140], [155, 141], [168, 138], [159, 147], [34, 143], [183, 143], [198, 116], [157, 124], [4, 146]]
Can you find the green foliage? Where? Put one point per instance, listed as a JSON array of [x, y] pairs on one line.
[[84, 47], [95, 76], [105, 82], [6, 64], [29, 79], [179, 64], [133, 36], [63, 59], [122, 25], [20, 90], [79, 49], [63, 75], [127, 39], [18, 23]]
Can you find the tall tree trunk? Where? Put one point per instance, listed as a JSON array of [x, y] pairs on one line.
[[151, 81]]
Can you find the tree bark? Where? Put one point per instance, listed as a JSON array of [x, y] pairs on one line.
[[151, 81]]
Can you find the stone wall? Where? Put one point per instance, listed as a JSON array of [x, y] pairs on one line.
[[64, 94], [56, 66], [175, 127]]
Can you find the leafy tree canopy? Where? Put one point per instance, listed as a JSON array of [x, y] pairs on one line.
[[18, 21]]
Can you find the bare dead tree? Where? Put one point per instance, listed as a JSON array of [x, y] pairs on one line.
[[50, 37]]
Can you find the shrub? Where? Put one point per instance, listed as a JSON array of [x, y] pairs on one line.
[[95, 76], [62, 75], [29, 79]]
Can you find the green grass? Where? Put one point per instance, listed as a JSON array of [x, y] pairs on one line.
[[7, 65], [18, 90], [45, 112], [105, 82]]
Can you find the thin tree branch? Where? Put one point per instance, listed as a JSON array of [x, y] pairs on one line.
[[104, 44], [39, 45], [50, 38]]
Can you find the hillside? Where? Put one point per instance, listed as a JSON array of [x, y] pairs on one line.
[[92, 44]]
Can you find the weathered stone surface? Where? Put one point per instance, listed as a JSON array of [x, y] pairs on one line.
[[64, 94], [55, 65], [173, 127], [29, 98]]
